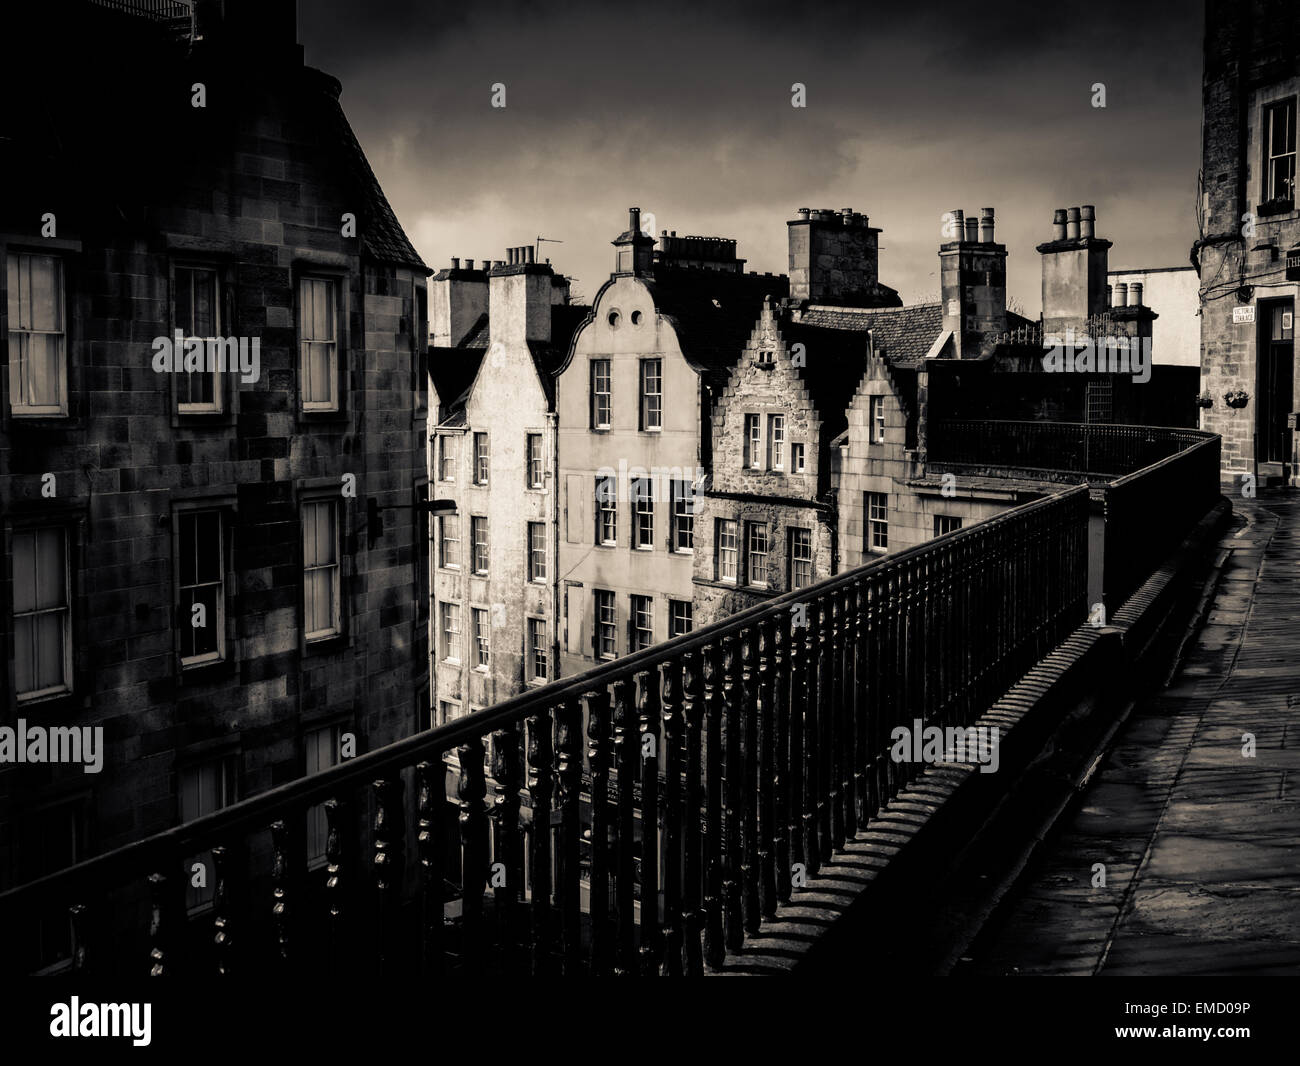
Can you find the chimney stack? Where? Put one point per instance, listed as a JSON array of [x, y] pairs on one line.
[[972, 283], [1087, 215], [833, 257]]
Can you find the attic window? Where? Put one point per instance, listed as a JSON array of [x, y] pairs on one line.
[[613, 320], [636, 318]]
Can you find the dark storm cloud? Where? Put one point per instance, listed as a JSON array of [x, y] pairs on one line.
[[684, 109]]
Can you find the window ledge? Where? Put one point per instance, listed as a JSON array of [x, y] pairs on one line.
[[325, 645]]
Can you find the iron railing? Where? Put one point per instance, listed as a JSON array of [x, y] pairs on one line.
[[712, 764], [1099, 450], [1149, 512]]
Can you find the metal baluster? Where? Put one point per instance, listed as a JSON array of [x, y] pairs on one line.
[[796, 790], [78, 921], [781, 757], [431, 785], [734, 795], [848, 704], [539, 867], [159, 931], [825, 732], [508, 870], [472, 790], [811, 744], [220, 911], [858, 762], [671, 688], [390, 845], [766, 770], [714, 944], [835, 718], [625, 759], [598, 753], [648, 707], [568, 885], [692, 716], [279, 888]]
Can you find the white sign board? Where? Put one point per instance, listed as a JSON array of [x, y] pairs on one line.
[[1243, 314]]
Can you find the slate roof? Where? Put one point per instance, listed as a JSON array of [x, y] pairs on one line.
[[382, 236], [453, 370], [834, 362], [550, 356], [713, 312], [903, 335]]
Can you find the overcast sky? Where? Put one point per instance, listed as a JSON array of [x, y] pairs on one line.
[[684, 109]]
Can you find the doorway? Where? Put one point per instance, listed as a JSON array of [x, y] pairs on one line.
[[1276, 379]]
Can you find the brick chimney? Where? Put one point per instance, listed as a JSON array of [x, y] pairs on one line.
[[973, 283], [1074, 270], [520, 295], [457, 297], [834, 257]]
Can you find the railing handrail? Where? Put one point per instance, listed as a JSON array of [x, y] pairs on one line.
[[256, 813], [1123, 481], [1170, 430]]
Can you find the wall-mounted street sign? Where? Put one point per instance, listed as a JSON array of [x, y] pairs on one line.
[[1243, 314], [1293, 265]]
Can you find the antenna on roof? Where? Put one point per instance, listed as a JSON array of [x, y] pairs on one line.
[[548, 240]]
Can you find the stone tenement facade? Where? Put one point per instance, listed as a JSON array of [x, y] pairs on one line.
[[492, 455], [189, 561], [1248, 253]]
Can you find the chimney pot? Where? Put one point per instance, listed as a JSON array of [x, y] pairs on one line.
[[803, 213], [531, 253], [455, 263], [512, 254], [1058, 224], [1087, 216], [1120, 294], [634, 219], [986, 225], [499, 263], [958, 223], [972, 230], [1071, 223], [1135, 294], [469, 264]]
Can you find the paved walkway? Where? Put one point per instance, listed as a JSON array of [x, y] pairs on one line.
[[1201, 845]]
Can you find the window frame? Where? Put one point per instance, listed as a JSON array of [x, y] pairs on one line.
[[477, 522], [227, 766], [335, 373], [594, 381], [646, 396], [877, 527], [444, 460], [776, 441], [876, 419], [643, 514], [727, 529], [534, 466], [533, 626], [67, 685], [640, 605], [61, 409], [682, 521], [449, 651], [1268, 191], [480, 638], [751, 529], [798, 460], [445, 522], [336, 510], [482, 458], [219, 297], [607, 509], [602, 599], [793, 535], [674, 630], [183, 617], [751, 457], [537, 569]]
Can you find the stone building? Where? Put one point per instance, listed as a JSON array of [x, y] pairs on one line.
[[1248, 251], [223, 570], [492, 466], [635, 399]]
